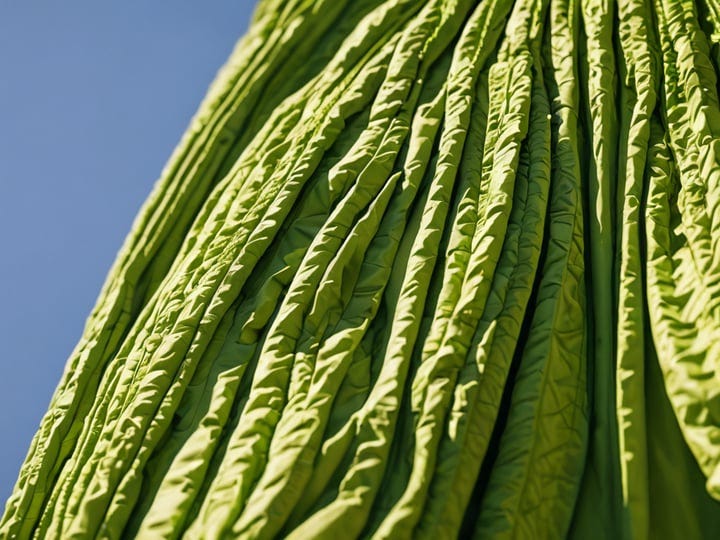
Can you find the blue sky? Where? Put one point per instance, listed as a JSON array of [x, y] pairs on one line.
[[93, 98]]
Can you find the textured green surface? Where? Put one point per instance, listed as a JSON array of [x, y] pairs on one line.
[[417, 269]]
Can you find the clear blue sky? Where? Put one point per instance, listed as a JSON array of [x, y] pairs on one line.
[[93, 98]]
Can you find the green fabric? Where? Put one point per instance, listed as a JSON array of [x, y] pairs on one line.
[[428, 269]]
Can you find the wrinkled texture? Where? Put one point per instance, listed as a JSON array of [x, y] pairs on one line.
[[421, 269]]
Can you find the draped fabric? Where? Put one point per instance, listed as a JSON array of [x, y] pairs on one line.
[[417, 269]]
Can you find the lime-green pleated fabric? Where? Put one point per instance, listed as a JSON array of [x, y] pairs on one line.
[[417, 269]]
